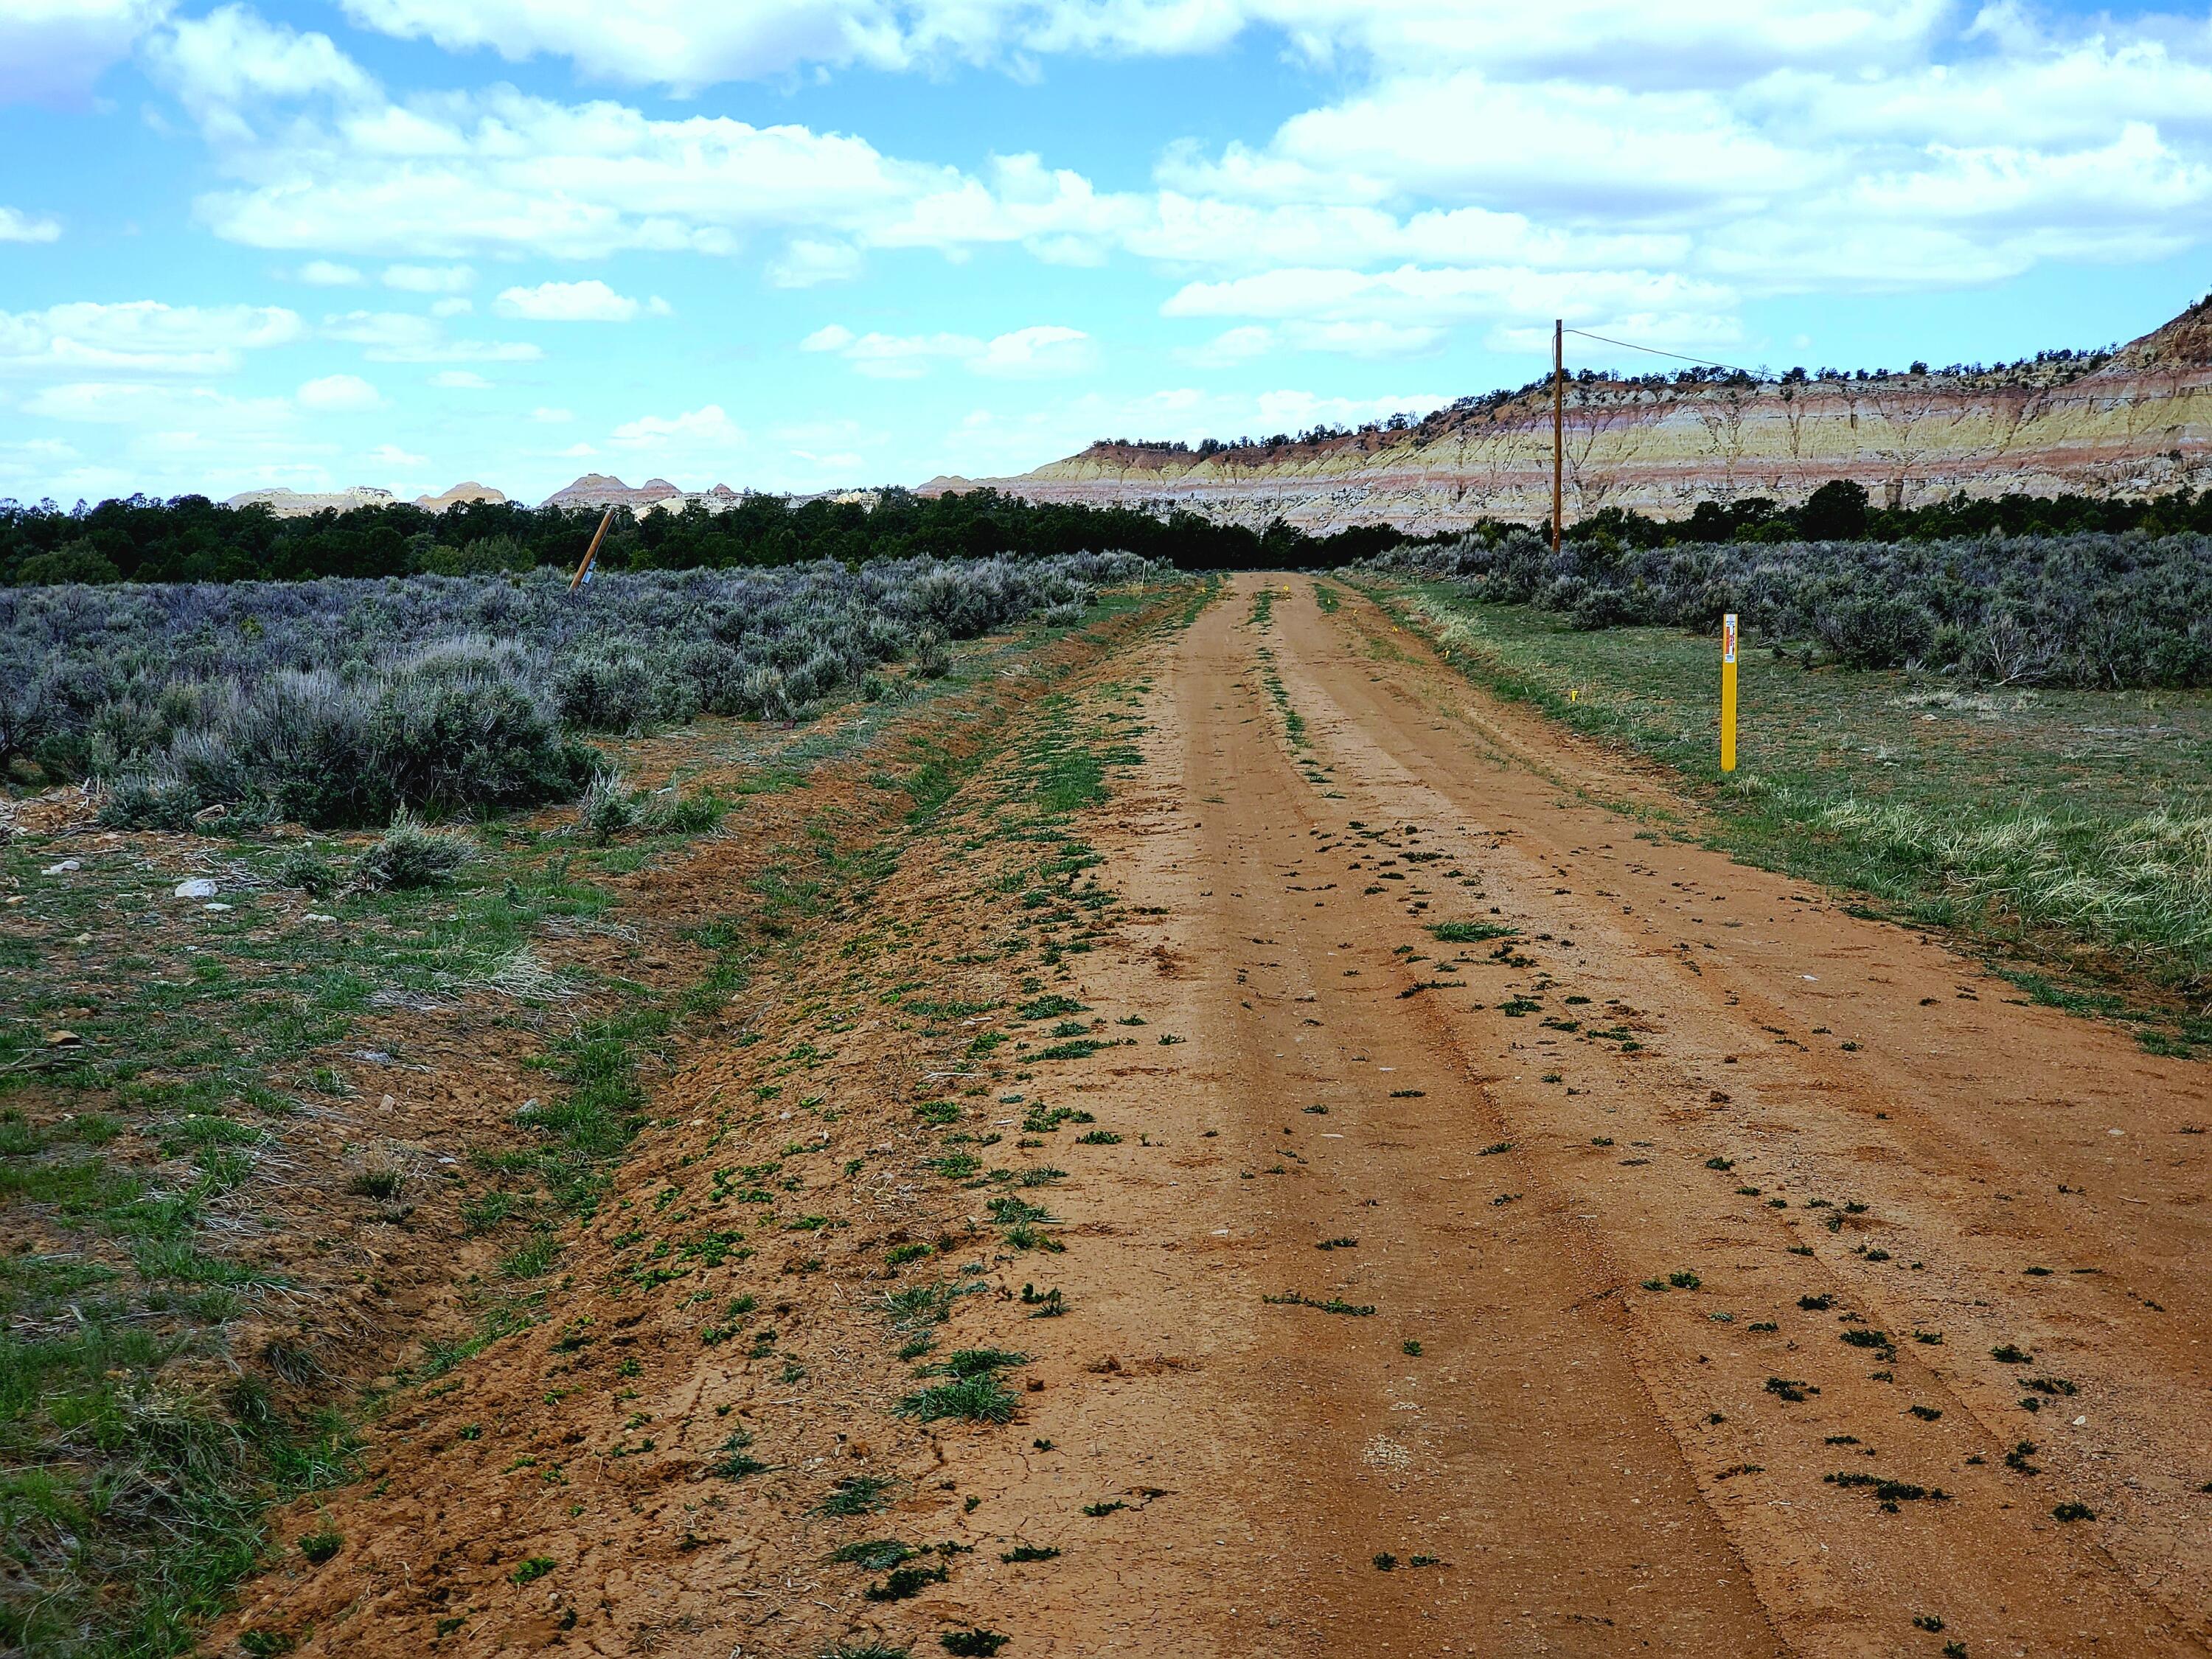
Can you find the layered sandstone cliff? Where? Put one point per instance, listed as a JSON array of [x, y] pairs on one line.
[[2135, 421]]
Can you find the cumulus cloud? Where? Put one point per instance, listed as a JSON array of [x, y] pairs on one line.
[[327, 273], [700, 438], [707, 422], [429, 279], [338, 394], [346, 168], [810, 261], [19, 227], [1034, 353], [588, 301], [141, 337], [1663, 162], [460, 380], [233, 62], [686, 45], [53, 51], [1021, 354], [1233, 346], [178, 437], [402, 337]]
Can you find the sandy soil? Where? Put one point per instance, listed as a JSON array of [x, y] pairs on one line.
[[1660, 1246]]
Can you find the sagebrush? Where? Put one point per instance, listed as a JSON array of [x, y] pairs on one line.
[[2110, 611], [338, 702]]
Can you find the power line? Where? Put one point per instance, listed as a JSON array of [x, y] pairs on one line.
[[1630, 345]]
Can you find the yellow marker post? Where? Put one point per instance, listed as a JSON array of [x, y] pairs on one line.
[[1727, 692]]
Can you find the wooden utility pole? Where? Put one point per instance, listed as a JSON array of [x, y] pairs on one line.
[[584, 570], [1559, 420]]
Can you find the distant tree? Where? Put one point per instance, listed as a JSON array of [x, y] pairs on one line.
[[1836, 512], [72, 562]]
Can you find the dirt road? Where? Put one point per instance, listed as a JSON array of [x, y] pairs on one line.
[[1696, 1193], [1661, 1260]]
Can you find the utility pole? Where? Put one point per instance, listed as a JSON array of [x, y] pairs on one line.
[[1559, 419]]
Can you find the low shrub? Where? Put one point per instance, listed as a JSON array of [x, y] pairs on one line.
[[2095, 611], [411, 854], [336, 702]]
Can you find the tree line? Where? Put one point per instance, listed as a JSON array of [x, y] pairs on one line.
[[190, 538]]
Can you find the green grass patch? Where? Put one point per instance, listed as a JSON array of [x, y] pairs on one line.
[[2059, 826]]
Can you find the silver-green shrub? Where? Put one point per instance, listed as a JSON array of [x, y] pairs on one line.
[[336, 702], [2114, 612]]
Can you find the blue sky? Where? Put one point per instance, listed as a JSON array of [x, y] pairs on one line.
[[798, 243]]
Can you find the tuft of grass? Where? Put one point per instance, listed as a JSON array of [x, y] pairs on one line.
[[981, 1398], [381, 1184], [1470, 933], [1334, 1305], [732, 1461], [905, 1582], [856, 1494], [977, 1362], [874, 1554]]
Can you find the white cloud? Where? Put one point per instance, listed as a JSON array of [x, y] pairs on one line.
[[906, 356], [588, 301], [1394, 313], [1021, 354], [53, 51], [227, 65], [1035, 353], [810, 261], [447, 174], [1625, 151], [696, 430], [685, 45], [429, 279], [338, 394], [141, 337], [394, 455], [402, 337], [16, 226], [325, 273], [452, 305], [181, 436], [1294, 411], [460, 380], [1233, 346], [551, 416]]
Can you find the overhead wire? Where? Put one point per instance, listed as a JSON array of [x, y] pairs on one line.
[[1630, 345]]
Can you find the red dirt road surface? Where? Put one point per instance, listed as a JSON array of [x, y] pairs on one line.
[[1663, 1259]]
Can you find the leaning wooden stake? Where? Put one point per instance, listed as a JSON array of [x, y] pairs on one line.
[[584, 570]]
